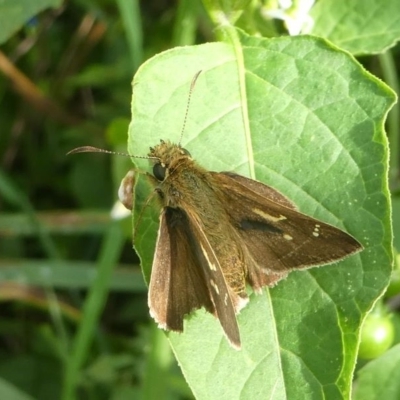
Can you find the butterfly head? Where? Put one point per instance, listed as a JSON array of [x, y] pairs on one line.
[[165, 157]]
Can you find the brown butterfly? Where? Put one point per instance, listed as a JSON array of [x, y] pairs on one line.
[[219, 232]]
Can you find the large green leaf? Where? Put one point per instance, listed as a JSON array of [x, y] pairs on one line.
[[308, 120], [15, 13], [359, 26]]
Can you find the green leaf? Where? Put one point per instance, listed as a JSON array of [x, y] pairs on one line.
[[314, 132], [359, 26], [14, 14], [380, 379]]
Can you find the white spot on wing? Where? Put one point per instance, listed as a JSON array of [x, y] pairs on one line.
[[210, 264], [268, 216], [214, 285]]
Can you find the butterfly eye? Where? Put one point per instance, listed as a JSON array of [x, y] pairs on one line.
[[186, 152], [159, 171]]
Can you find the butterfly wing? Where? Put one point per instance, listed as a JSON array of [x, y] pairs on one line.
[[186, 276], [277, 237], [177, 282], [258, 187], [226, 302]]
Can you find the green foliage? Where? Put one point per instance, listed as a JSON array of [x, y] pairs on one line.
[[360, 27], [380, 378], [308, 147], [296, 112]]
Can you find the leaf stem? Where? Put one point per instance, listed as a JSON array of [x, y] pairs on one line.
[[393, 119], [227, 32]]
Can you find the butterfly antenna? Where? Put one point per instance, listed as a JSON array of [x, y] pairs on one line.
[[188, 104], [91, 149]]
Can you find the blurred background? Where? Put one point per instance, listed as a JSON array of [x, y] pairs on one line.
[[65, 81]]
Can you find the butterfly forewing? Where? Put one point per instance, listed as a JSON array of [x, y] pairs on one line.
[[177, 284], [186, 276], [227, 303], [279, 238], [255, 186]]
